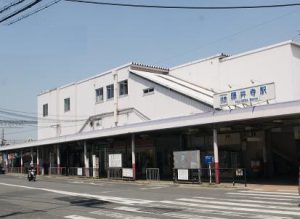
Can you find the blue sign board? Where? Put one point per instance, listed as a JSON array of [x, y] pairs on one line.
[[208, 159]]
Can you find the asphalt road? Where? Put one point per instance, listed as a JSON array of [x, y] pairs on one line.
[[86, 199]]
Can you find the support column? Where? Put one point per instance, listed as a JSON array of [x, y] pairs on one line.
[[86, 160], [58, 159], [216, 156], [37, 161], [6, 160], [31, 154], [133, 156], [21, 162]]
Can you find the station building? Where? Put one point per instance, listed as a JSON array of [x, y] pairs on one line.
[[243, 109]]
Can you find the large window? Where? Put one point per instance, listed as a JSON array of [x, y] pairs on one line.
[[110, 91], [45, 110], [99, 95], [67, 105], [123, 87]]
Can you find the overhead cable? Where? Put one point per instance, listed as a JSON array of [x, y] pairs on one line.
[[34, 12], [26, 7], [185, 7], [6, 7]]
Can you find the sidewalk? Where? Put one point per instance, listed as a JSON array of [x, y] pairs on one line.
[[267, 187]]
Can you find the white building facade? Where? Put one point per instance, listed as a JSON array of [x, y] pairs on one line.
[[165, 110]]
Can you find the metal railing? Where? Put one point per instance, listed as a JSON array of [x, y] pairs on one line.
[[152, 174], [227, 175]]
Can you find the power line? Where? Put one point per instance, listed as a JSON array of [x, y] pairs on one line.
[[26, 7], [7, 7], [34, 12], [185, 7], [246, 29]]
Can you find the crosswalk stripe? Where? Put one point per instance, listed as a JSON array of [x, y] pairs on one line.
[[168, 214], [269, 211], [239, 204], [263, 195], [77, 217], [109, 213], [228, 213], [271, 193], [272, 199], [247, 201]]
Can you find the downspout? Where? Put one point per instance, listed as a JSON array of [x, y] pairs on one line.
[[115, 75]]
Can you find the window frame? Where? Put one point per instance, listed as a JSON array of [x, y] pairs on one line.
[[110, 90], [123, 87], [97, 99], [67, 109], [45, 112], [148, 91]]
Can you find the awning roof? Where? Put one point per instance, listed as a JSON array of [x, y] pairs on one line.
[[193, 91], [214, 117]]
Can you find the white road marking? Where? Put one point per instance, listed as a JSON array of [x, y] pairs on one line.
[[149, 188], [263, 195], [108, 213], [228, 213], [246, 200], [240, 204], [167, 214], [271, 193], [272, 199], [78, 217], [232, 208], [126, 208], [106, 191], [119, 200]]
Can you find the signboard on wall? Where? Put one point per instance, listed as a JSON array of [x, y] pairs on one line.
[[114, 160], [127, 172], [245, 96], [187, 159], [79, 171], [183, 174]]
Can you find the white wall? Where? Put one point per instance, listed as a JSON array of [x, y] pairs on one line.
[[162, 104], [278, 64]]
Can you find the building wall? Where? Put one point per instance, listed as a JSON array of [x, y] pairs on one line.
[[132, 108], [279, 64]]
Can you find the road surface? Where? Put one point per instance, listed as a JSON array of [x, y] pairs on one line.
[[87, 199]]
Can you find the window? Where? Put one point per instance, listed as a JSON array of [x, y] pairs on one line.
[[110, 91], [123, 87], [45, 110], [67, 104], [99, 95], [149, 90]]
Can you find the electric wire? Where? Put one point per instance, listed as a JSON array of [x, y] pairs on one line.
[[33, 12], [7, 7], [26, 7], [185, 7]]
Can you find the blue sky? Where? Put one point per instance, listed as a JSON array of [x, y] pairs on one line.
[[72, 41]]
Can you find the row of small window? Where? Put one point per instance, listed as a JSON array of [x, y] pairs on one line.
[[67, 107], [123, 90]]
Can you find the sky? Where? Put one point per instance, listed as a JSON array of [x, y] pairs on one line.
[[71, 41]]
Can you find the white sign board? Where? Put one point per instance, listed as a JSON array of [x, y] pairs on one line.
[[245, 96], [79, 171], [183, 174], [127, 172], [115, 160]]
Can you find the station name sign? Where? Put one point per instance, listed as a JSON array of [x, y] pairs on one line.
[[245, 96]]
